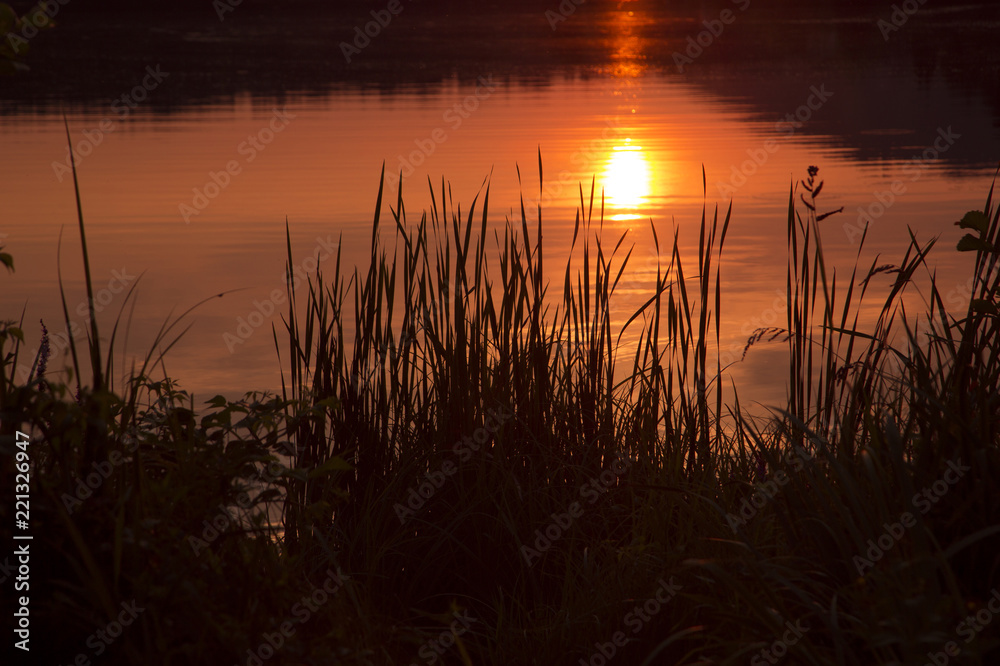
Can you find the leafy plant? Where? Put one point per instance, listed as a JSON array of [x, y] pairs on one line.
[[17, 33], [461, 439]]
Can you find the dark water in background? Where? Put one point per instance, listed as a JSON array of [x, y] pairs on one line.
[[459, 93]]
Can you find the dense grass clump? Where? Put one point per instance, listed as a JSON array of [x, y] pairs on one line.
[[465, 466]]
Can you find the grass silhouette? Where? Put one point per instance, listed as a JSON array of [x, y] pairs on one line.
[[460, 435]]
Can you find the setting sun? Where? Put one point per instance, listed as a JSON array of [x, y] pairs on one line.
[[535, 332]]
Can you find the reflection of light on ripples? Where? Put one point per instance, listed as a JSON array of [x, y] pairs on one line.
[[626, 181]]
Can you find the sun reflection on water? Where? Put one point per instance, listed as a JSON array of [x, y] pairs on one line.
[[627, 179]]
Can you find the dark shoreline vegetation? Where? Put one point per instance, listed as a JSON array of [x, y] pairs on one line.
[[485, 477]]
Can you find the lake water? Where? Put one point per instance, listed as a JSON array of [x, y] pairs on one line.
[[191, 191]]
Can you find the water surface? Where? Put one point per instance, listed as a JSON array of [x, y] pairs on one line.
[[191, 188]]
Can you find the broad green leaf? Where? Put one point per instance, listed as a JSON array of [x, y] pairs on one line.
[[982, 305], [298, 473], [11, 51], [217, 401], [8, 19], [9, 67], [334, 464], [970, 243], [39, 18], [327, 403], [318, 510], [974, 219]]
